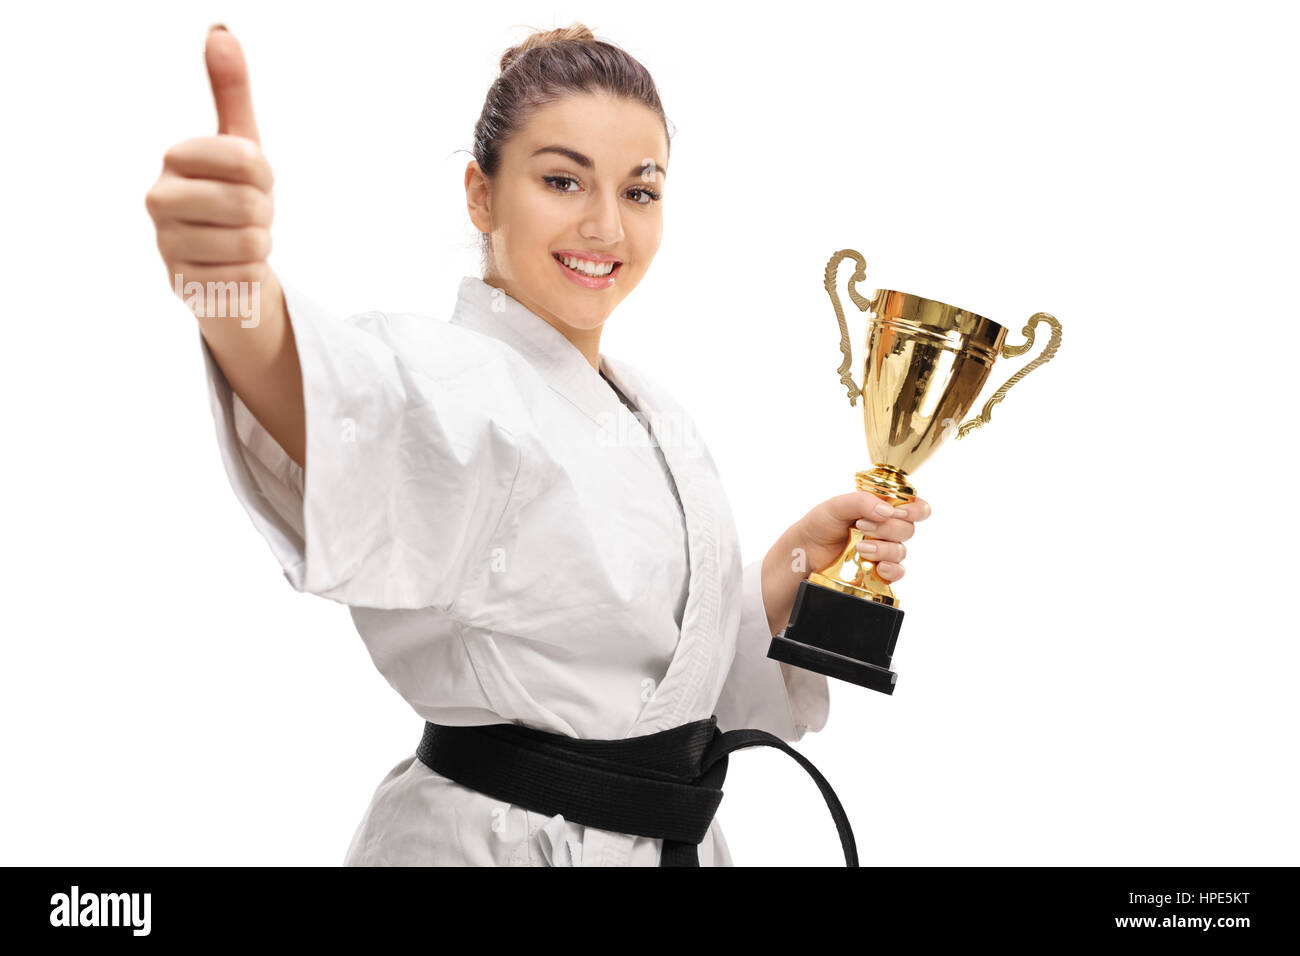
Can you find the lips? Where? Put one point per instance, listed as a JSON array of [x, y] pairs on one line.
[[561, 256], [585, 280], [597, 257]]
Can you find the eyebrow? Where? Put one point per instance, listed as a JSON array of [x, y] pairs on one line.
[[585, 161]]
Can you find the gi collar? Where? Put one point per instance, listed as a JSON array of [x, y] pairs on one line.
[[492, 311]]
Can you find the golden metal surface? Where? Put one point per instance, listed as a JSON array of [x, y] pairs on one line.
[[925, 364]]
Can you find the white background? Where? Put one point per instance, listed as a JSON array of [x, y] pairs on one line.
[[1098, 661]]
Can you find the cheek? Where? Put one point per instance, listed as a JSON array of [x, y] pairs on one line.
[[524, 218], [649, 235], [539, 218]]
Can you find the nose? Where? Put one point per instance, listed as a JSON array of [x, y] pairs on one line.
[[602, 222]]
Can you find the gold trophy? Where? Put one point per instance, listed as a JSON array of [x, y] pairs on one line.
[[926, 364]]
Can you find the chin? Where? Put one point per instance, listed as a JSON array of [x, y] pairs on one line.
[[585, 321]]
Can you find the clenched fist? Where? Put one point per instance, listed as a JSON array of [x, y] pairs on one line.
[[212, 205]]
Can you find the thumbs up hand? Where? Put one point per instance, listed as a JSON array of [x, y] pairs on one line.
[[212, 204]]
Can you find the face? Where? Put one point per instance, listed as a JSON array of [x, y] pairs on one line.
[[583, 180]]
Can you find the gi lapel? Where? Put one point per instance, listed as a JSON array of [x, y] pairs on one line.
[[680, 696]]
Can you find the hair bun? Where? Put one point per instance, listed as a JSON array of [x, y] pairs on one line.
[[575, 31]]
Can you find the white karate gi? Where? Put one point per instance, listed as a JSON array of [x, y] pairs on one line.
[[510, 553]]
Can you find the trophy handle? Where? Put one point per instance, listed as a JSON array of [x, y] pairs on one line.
[[1010, 351], [846, 375]]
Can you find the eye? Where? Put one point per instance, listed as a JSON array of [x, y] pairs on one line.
[[654, 196], [552, 180]]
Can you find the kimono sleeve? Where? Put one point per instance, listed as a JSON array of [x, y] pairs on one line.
[[405, 482], [764, 693]]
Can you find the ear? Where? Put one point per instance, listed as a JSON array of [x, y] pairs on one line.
[[477, 198]]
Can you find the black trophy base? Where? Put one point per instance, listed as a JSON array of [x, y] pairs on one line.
[[841, 636]]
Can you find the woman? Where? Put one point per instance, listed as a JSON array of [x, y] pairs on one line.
[[527, 531]]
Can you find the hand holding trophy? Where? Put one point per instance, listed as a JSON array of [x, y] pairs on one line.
[[925, 365]]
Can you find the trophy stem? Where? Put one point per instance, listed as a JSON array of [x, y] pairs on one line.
[[850, 573], [888, 481]]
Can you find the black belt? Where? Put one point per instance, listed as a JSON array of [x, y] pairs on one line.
[[665, 785]]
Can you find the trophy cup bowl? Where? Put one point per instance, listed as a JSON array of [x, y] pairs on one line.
[[926, 363]]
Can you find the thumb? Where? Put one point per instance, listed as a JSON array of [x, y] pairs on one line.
[[228, 74]]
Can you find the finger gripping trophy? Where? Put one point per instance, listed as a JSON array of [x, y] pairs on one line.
[[925, 365]]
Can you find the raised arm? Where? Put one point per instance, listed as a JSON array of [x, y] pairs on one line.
[[212, 207]]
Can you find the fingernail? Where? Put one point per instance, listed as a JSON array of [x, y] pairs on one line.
[[867, 526], [217, 26], [884, 510], [900, 512], [867, 547]]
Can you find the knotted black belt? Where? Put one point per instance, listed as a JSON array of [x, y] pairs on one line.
[[665, 785]]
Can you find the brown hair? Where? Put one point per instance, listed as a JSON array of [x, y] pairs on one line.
[[547, 66]]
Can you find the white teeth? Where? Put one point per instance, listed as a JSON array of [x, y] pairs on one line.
[[588, 268]]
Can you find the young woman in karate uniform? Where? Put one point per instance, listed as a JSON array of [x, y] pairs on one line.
[[526, 530]]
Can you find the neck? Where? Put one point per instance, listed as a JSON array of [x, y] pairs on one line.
[[586, 341], [588, 344]]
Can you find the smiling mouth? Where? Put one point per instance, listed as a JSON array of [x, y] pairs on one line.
[[618, 264]]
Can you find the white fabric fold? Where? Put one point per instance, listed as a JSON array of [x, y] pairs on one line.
[[516, 542]]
